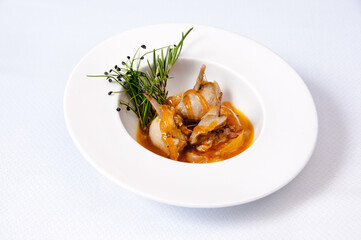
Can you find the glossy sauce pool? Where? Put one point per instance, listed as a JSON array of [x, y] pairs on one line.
[[211, 154]]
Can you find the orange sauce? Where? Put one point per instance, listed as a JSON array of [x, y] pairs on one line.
[[166, 130], [188, 104], [173, 101], [204, 129], [221, 151], [144, 140], [200, 97]]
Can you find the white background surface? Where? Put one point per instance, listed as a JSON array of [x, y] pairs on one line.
[[49, 191]]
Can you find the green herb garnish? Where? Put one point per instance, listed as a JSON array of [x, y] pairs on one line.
[[154, 81]]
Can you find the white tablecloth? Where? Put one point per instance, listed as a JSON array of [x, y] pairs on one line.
[[49, 191]]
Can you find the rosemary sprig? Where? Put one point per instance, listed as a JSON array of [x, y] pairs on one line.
[[134, 82]]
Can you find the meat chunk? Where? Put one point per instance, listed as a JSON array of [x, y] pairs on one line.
[[216, 126], [178, 120], [211, 121], [164, 132], [208, 124], [196, 102]]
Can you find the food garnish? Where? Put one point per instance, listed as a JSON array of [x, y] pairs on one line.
[[135, 81]]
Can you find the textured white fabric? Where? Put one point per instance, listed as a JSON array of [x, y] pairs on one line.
[[49, 191]]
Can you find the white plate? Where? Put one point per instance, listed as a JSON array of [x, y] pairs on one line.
[[257, 81]]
